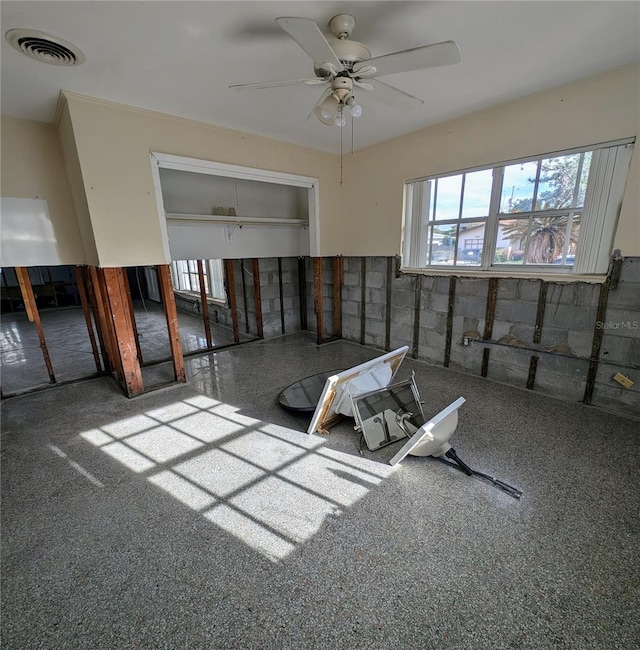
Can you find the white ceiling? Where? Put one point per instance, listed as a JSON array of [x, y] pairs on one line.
[[180, 57]]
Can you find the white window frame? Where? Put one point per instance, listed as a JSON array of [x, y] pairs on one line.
[[600, 213], [214, 279]]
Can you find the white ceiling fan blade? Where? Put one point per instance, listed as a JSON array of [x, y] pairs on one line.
[[428, 56], [393, 96], [309, 37], [276, 84]]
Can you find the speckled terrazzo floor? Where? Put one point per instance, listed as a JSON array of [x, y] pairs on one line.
[[201, 516]]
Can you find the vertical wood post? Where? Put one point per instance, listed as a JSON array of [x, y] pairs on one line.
[[171, 313], [100, 325], [244, 297], [537, 334], [32, 314], [317, 298], [205, 304], [492, 297], [416, 317], [302, 292], [338, 279], [281, 294], [132, 313], [106, 318], [450, 308], [257, 296], [116, 291], [363, 300], [387, 315], [233, 303], [87, 317]]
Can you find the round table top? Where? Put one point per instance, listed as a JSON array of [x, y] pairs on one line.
[[303, 395]]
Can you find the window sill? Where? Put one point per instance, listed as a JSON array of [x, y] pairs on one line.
[[492, 273]]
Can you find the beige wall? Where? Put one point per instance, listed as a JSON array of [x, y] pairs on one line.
[[32, 167], [595, 110], [74, 174], [114, 143]]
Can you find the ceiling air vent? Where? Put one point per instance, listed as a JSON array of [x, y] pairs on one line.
[[43, 47]]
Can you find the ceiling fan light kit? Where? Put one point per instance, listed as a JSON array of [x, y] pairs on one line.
[[344, 63]]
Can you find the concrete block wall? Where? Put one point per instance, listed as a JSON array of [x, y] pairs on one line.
[[269, 298], [568, 327], [328, 326]]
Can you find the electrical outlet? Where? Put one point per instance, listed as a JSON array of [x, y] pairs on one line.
[[623, 380], [465, 341]]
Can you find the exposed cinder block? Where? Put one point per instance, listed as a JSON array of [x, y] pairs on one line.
[[625, 296], [500, 329], [516, 311], [630, 271], [351, 308], [470, 306], [580, 342], [617, 348], [374, 327], [529, 290], [472, 287], [351, 279], [439, 302], [523, 332], [554, 336], [376, 296], [570, 317], [508, 289], [403, 298], [442, 285], [375, 279], [377, 264]]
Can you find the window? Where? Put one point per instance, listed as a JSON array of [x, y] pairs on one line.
[[553, 213], [186, 277]]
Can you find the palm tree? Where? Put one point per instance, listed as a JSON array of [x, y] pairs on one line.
[[547, 236]]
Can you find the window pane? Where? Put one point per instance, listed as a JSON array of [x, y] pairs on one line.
[[517, 187], [557, 183], [511, 241], [443, 245], [546, 240], [584, 177], [470, 244], [477, 194], [448, 199]]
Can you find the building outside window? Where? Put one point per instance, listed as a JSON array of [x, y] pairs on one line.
[[554, 213]]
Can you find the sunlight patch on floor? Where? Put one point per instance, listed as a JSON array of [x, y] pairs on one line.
[[269, 486]]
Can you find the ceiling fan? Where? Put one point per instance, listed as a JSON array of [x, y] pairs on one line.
[[345, 64]]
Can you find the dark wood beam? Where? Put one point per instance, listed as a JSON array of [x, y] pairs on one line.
[[257, 297], [233, 303], [204, 303], [537, 333], [100, 326], [116, 290], [338, 280], [281, 294], [171, 313], [387, 312], [87, 316], [363, 300], [302, 293], [317, 298], [102, 297], [416, 316], [450, 308], [132, 314], [492, 297], [29, 299]]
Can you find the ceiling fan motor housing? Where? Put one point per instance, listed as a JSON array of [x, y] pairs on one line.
[[350, 52]]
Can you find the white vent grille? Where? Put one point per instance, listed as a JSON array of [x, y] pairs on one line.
[[44, 47]]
